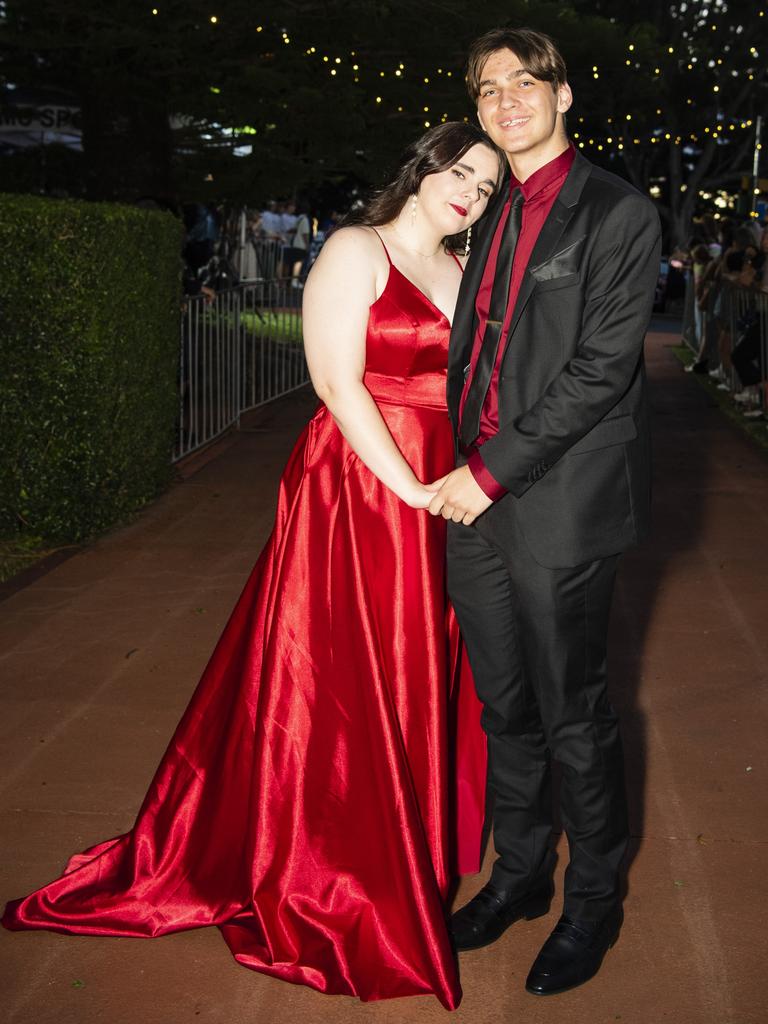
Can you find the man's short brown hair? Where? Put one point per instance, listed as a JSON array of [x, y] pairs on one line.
[[536, 52]]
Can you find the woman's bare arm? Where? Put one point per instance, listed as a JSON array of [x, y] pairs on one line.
[[343, 284]]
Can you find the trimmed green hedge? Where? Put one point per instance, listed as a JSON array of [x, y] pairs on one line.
[[89, 340]]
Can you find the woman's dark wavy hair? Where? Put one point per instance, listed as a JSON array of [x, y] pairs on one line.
[[436, 150]]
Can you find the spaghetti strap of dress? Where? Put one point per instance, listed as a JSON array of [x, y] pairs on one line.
[[461, 265], [386, 250], [389, 258]]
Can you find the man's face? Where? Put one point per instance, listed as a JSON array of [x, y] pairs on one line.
[[520, 112]]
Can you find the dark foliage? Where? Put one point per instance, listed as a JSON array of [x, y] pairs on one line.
[[89, 325]]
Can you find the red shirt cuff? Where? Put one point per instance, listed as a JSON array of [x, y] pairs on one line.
[[488, 483]]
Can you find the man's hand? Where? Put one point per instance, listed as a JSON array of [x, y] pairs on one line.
[[460, 497]]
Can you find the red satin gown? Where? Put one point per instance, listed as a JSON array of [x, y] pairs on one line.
[[326, 780]]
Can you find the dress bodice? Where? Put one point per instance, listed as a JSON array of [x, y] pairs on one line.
[[406, 345]]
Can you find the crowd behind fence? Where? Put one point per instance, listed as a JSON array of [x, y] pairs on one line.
[[239, 350], [731, 344]]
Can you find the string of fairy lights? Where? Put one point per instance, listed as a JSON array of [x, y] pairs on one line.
[[616, 132], [613, 136]]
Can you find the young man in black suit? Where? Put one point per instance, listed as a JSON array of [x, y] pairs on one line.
[[546, 391]]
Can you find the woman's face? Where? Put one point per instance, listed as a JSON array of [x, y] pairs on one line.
[[454, 199]]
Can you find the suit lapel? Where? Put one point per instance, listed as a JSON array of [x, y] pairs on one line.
[[462, 330], [546, 245]]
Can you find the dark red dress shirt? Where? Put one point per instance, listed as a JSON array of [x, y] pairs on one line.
[[539, 194]]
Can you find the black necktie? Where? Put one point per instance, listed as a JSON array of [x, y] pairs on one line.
[[481, 378]]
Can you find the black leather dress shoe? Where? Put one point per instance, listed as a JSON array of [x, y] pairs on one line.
[[490, 913], [572, 954]]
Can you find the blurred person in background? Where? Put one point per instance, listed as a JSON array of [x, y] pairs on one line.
[[701, 260]]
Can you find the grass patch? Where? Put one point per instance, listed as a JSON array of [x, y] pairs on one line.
[[280, 325], [756, 429]]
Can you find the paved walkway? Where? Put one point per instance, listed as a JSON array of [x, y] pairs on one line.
[[101, 654]]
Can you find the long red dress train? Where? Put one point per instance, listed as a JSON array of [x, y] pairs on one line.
[[327, 779]]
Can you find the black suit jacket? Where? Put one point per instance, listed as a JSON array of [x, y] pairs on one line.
[[573, 445]]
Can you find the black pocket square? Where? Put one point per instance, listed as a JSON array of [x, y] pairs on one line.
[[567, 261]]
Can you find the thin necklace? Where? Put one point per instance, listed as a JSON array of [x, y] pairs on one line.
[[424, 255]]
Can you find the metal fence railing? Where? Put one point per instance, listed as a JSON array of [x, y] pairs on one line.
[[735, 341], [258, 259], [238, 351]]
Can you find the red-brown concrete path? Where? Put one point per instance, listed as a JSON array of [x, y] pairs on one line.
[[101, 654]]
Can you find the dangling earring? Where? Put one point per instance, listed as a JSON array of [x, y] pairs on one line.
[[414, 204], [468, 240]]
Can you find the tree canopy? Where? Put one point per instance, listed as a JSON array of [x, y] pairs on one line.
[[239, 100]]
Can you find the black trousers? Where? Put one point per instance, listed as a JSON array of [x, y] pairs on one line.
[[536, 640]]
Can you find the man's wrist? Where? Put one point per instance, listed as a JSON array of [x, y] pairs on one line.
[[484, 479]]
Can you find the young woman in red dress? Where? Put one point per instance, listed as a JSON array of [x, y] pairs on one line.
[[326, 780]]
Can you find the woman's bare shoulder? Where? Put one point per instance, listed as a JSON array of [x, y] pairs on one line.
[[353, 241], [355, 256]]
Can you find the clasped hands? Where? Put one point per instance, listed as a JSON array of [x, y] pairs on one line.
[[456, 496]]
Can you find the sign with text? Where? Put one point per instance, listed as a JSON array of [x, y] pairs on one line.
[[41, 119]]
